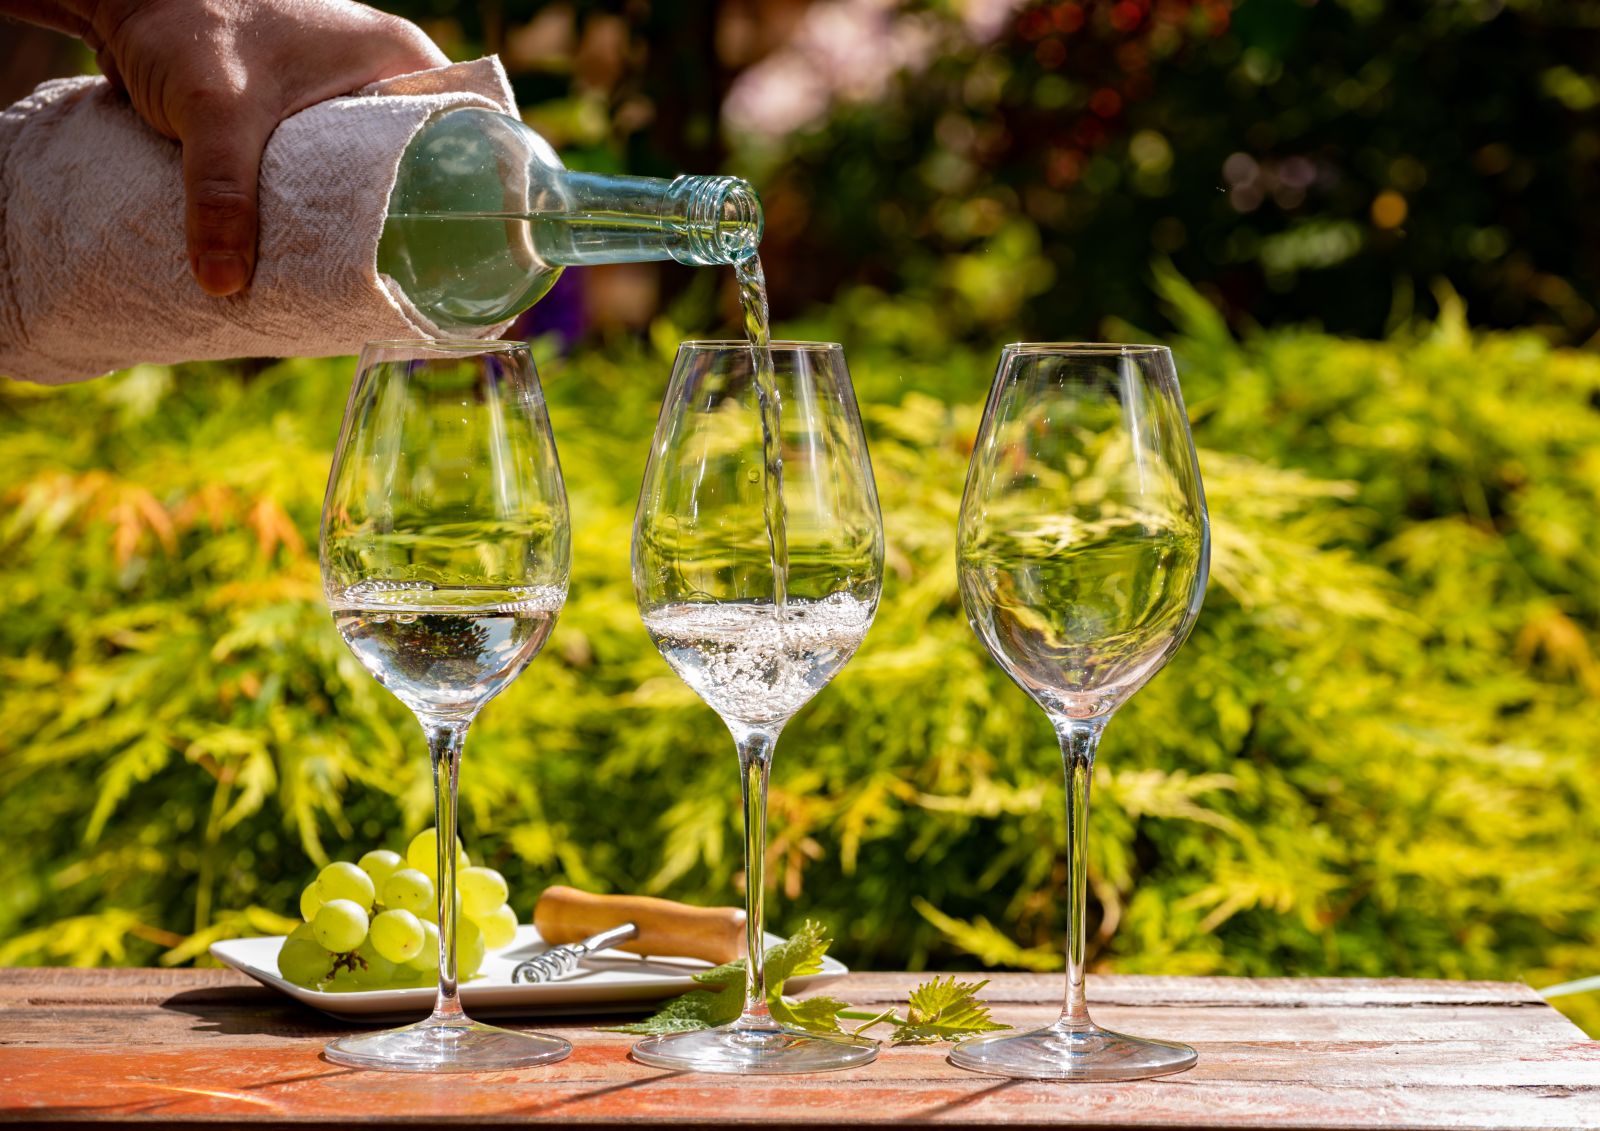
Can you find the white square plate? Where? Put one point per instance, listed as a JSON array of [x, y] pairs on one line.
[[611, 981]]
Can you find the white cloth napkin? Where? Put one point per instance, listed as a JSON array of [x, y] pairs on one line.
[[93, 272]]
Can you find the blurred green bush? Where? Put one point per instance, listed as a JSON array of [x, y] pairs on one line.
[[1298, 160], [1373, 757]]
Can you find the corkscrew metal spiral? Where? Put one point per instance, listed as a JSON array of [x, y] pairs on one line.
[[559, 961]]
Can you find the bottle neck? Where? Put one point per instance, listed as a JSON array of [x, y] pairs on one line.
[[701, 221], [483, 217]]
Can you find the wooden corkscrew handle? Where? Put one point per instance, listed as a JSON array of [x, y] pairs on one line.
[[666, 928]]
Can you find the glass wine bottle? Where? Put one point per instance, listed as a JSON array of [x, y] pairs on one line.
[[484, 217]]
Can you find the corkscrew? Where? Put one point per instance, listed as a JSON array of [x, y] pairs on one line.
[[559, 961], [577, 924]]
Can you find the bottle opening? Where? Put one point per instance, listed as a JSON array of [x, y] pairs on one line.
[[721, 218]]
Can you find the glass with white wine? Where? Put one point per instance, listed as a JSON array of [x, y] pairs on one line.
[[445, 556], [1082, 555], [757, 567]]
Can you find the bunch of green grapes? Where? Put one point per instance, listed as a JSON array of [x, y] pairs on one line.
[[373, 925]]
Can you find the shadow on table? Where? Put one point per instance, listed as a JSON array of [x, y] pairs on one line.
[[951, 1106], [245, 1010], [170, 1094], [555, 1105]]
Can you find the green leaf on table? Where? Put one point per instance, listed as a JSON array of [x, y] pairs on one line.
[[697, 1009], [797, 956], [944, 1011], [813, 1014]]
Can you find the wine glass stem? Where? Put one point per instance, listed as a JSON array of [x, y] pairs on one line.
[[445, 739], [755, 762], [1079, 739]]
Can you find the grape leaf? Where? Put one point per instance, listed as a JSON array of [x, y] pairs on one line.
[[795, 957], [937, 1011], [697, 1009], [813, 1014], [944, 1011], [720, 1002]]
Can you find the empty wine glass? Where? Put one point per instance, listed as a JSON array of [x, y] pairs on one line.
[[445, 554], [1082, 555], [704, 574]]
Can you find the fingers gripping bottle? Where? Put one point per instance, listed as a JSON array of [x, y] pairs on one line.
[[484, 217]]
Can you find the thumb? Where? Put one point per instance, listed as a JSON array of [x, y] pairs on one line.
[[221, 164]]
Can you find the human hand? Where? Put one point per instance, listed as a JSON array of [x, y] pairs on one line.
[[219, 75]]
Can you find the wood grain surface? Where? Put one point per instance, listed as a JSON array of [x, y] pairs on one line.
[[211, 1048]]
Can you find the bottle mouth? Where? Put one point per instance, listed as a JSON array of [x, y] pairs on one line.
[[722, 220]]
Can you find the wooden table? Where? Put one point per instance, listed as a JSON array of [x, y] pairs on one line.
[[208, 1047]]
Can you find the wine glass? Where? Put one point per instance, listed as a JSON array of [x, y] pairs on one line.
[[445, 554], [707, 586], [1082, 555]]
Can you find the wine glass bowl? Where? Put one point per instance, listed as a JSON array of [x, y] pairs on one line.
[[702, 563], [706, 575], [1082, 554], [445, 555], [1083, 538]]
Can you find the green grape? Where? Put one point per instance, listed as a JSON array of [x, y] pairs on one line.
[[482, 890], [409, 890], [426, 963], [303, 931], [434, 911], [343, 981], [380, 864], [303, 962], [469, 949], [397, 935], [346, 881], [310, 900], [420, 852], [432, 914], [423, 854], [340, 925], [373, 970], [499, 926]]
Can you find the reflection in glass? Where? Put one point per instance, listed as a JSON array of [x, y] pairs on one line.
[[704, 576], [1082, 555], [444, 559]]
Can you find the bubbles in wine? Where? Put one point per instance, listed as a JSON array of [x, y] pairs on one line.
[[753, 663]]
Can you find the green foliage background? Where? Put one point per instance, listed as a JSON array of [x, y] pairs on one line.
[[1375, 755]]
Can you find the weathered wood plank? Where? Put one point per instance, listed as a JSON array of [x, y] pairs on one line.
[[114, 983], [82, 1048], [1350, 1064], [263, 1018], [597, 1088]]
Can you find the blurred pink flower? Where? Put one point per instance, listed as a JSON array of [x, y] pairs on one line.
[[848, 51]]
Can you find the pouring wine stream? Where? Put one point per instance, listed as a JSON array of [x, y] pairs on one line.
[[753, 299]]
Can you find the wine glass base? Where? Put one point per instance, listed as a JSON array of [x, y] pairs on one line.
[[1061, 1053], [754, 1052], [446, 1046]]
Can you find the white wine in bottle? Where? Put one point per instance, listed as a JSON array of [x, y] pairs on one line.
[[484, 217]]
